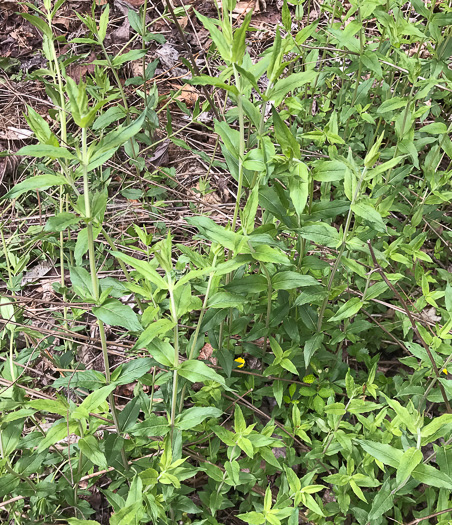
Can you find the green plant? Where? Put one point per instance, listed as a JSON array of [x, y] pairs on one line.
[[328, 284]]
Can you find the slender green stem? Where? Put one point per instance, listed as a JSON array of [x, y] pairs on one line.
[[176, 355], [360, 68], [269, 306], [8, 264], [11, 338], [322, 60], [80, 463], [143, 46], [57, 75], [241, 149], [240, 175], [124, 100], [198, 327], [151, 402], [11, 356], [16, 475], [95, 285], [341, 251]]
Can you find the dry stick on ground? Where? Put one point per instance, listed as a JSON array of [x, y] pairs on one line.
[[413, 325], [418, 520]]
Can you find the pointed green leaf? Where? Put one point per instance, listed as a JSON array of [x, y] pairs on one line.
[[40, 182], [347, 310], [61, 222], [195, 416], [92, 402], [144, 268], [290, 83], [159, 327], [90, 447], [408, 462], [197, 371], [115, 313], [370, 214], [321, 234]]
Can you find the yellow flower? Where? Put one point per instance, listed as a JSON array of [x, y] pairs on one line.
[[445, 371], [241, 362]]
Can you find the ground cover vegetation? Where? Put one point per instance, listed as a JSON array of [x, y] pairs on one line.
[[225, 280]]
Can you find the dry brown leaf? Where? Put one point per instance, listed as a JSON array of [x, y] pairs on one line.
[[243, 7], [206, 354], [79, 71], [189, 94], [63, 21], [160, 156], [136, 67], [209, 199], [21, 38]]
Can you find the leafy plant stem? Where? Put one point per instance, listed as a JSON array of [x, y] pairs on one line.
[[8, 263], [176, 355], [240, 175], [341, 251], [360, 67], [79, 468], [198, 326], [302, 242], [269, 307], [331, 436], [63, 162], [322, 61], [241, 150], [124, 101], [11, 357], [23, 478], [143, 46], [396, 149], [151, 401], [95, 286]]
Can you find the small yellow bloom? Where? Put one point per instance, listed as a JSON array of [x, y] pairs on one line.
[[445, 371], [309, 379], [241, 362]]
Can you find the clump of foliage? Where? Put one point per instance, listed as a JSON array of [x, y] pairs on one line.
[[326, 298]]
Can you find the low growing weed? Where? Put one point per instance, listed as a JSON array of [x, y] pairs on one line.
[[287, 364]]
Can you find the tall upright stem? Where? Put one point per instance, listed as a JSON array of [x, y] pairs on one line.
[[241, 149], [341, 251], [95, 286], [176, 355], [198, 328], [63, 162]]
